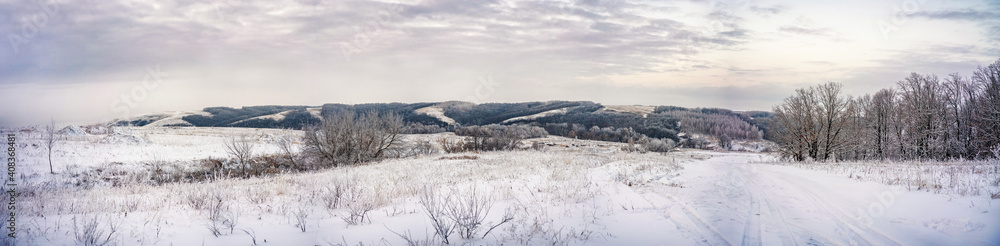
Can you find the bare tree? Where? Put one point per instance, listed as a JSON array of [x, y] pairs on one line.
[[286, 146], [880, 114], [349, 138], [922, 118], [797, 122], [956, 104], [987, 106], [50, 142], [857, 133], [920, 100], [241, 149], [833, 109]]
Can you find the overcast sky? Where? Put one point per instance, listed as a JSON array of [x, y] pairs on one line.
[[89, 60]]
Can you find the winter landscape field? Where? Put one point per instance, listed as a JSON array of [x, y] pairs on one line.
[[567, 192], [500, 122]]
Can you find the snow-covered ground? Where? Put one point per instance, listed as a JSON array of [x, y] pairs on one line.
[[436, 112], [635, 109], [540, 115], [572, 192]]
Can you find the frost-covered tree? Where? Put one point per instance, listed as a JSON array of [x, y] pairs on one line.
[[833, 114], [350, 138], [242, 150], [50, 142], [986, 119], [797, 121], [923, 117]]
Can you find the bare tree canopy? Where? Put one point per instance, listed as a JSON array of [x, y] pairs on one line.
[[241, 149], [350, 138], [924, 117]]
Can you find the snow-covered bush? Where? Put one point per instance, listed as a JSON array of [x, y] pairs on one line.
[[220, 216], [242, 150], [91, 231], [411, 241], [288, 149], [417, 128], [495, 137], [658, 145], [464, 213], [469, 211], [435, 206], [451, 146], [332, 195], [417, 148], [348, 138], [357, 200], [300, 217]]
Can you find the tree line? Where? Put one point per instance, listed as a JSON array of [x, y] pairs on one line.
[[922, 117]]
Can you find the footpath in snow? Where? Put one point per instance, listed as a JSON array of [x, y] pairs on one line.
[[732, 199]]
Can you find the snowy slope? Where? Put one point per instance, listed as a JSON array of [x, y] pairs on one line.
[[316, 112], [436, 112], [539, 115], [276, 117], [175, 118], [572, 192], [634, 109]]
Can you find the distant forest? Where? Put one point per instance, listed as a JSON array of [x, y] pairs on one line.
[[576, 119]]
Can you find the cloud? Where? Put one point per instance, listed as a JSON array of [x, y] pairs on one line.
[[768, 11], [968, 14], [988, 18], [240, 53], [597, 36], [806, 30]]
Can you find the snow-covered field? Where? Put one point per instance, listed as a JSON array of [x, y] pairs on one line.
[[571, 192]]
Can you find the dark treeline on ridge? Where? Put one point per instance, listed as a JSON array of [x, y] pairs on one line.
[[575, 119]]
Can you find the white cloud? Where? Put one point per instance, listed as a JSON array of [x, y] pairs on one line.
[[292, 52]]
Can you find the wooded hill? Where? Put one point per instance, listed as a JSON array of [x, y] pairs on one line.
[[580, 119]]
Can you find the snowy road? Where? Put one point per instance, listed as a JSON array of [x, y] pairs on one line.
[[729, 200]]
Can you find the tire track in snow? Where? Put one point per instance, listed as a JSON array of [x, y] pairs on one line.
[[751, 226], [865, 234], [713, 237], [686, 219], [776, 217]]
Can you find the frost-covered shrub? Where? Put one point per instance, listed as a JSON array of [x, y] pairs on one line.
[[300, 218], [696, 142], [242, 150], [658, 145], [332, 196], [349, 138], [357, 200], [90, 231], [417, 148], [451, 146], [288, 150], [520, 131], [497, 137], [436, 207], [220, 216], [609, 133], [417, 128], [469, 211]]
